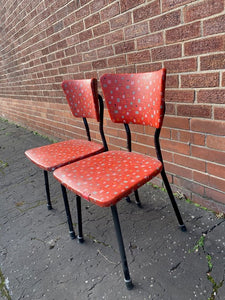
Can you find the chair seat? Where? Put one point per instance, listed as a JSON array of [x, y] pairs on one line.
[[51, 157], [106, 178]]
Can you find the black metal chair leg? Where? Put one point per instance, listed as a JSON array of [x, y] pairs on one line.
[[173, 201], [128, 199], [68, 214], [137, 199], [79, 218], [49, 204], [127, 278]]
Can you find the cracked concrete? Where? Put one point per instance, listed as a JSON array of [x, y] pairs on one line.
[[41, 262]]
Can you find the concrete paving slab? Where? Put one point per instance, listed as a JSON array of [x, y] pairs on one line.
[[39, 261]]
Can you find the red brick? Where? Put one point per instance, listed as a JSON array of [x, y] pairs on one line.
[[147, 11], [181, 65], [172, 81], [89, 56], [124, 47], [205, 45], [216, 195], [200, 80], [82, 12], [165, 21], [175, 146], [212, 62], [69, 51], [126, 69], [121, 21], [202, 10], [85, 35], [110, 11], [105, 52], [101, 29], [99, 64], [176, 122], [189, 185], [223, 79], [181, 135], [182, 33], [190, 162], [128, 4], [148, 67], [85, 66], [178, 170], [170, 109], [117, 60], [73, 40], [96, 5], [216, 142], [209, 181], [136, 30], [76, 58], [214, 25], [211, 96], [198, 139], [219, 113], [150, 40], [77, 27], [114, 37], [92, 20], [208, 154], [180, 96], [170, 4], [138, 57], [201, 111], [82, 47], [208, 203], [208, 126], [96, 43], [215, 169], [166, 52]]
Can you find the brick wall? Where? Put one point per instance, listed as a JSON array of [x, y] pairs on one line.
[[44, 42]]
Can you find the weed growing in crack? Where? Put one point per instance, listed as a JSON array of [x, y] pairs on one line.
[[201, 245], [3, 288]]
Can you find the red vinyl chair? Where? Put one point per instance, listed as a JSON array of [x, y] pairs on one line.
[[106, 178], [84, 102]]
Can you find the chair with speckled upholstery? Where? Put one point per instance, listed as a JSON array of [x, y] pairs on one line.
[[84, 102], [106, 178]]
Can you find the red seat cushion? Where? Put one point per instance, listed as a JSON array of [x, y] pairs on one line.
[[56, 155], [106, 178]]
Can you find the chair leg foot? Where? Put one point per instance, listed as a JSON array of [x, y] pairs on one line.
[[183, 228], [129, 284], [68, 214], [121, 247], [80, 239], [49, 204], [72, 235]]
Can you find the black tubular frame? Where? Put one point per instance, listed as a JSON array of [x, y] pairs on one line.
[[68, 214], [49, 204], [78, 198], [87, 129], [165, 180], [129, 148], [126, 272]]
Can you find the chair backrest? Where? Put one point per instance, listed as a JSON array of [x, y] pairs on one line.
[[82, 97], [135, 98]]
